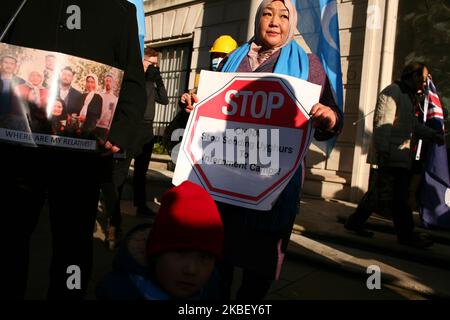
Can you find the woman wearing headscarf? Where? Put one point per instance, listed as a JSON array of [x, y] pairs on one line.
[[59, 116], [257, 240], [91, 109]]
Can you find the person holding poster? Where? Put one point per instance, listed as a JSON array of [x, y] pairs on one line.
[[28, 175], [257, 240]]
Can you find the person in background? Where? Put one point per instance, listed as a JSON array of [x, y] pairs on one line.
[[222, 47], [173, 259], [142, 152], [156, 93], [395, 126], [108, 107]]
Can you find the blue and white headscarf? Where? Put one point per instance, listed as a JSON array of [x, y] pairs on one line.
[[292, 61]]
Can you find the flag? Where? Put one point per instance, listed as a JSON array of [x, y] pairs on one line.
[[435, 187], [140, 15], [318, 25]]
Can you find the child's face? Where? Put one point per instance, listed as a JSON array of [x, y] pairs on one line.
[[184, 273]]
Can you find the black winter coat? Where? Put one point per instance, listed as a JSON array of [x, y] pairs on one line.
[[156, 92]]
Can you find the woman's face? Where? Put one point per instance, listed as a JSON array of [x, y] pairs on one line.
[[90, 84], [57, 109], [274, 25]]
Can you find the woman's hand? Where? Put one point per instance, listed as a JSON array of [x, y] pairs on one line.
[[109, 146], [323, 117], [188, 99]]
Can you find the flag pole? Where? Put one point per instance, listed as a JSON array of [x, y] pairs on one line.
[[11, 21], [425, 112], [363, 117]]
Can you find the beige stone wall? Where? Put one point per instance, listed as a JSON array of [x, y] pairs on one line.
[[169, 22], [219, 17], [202, 21], [331, 178]]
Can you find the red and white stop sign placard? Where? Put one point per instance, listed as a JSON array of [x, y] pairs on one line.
[[247, 136]]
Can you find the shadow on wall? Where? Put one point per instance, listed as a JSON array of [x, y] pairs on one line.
[[314, 184]]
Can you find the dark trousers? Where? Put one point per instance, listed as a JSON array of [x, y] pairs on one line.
[[390, 192], [141, 163], [112, 186], [253, 285], [70, 182]]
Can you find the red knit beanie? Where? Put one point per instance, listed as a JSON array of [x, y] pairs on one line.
[[188, 219]]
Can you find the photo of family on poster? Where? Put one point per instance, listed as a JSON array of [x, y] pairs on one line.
[[45, 94]]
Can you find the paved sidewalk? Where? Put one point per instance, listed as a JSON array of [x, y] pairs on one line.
[[301, 277], [323, 261], [323, 240]]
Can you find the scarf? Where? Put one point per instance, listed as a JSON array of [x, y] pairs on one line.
[[88, 100], [89, 96], [293, 60]]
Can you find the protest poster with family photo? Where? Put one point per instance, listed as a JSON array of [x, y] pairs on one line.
[[54, 99]]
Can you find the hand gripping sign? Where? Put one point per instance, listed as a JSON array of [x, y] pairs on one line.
[[247, 136]]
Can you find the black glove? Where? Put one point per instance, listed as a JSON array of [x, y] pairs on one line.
[[438, 138], [152, 73], [383, 159]]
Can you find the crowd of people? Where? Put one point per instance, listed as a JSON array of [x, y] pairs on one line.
[[192, 247]]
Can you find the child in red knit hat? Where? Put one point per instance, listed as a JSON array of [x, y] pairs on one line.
[[175, 258]]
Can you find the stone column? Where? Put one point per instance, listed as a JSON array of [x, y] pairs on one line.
[[377, 70], [254, 4], [387, 56]]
